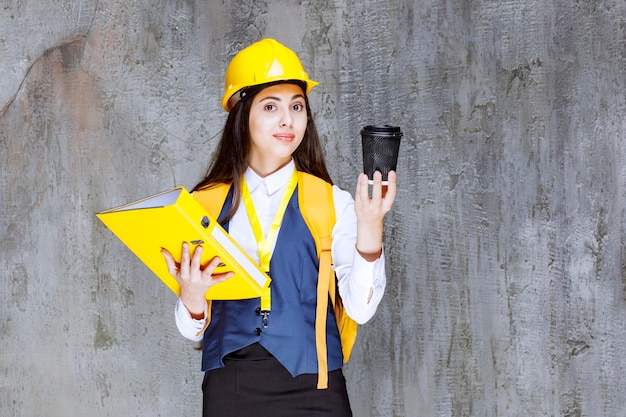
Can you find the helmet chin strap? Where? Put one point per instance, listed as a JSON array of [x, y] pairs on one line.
[[238, 96]]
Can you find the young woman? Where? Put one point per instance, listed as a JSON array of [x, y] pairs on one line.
[[255, 364]]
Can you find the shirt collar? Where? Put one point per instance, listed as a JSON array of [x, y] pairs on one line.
[[273, 182]]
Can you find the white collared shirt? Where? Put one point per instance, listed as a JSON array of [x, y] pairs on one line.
[[356, 276]]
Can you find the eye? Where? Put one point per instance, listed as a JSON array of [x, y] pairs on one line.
[[270, 107], [298, 107]]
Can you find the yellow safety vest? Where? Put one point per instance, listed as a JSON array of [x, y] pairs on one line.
[[315, 197]]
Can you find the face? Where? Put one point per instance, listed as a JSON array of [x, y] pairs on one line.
[[277, 122]]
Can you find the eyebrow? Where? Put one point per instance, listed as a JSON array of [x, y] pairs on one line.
[[294, 97]]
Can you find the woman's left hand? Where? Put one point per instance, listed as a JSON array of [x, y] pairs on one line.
[[370, 212]]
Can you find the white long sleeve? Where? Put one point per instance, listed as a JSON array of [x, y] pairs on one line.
[[356, 277], [187, 325]]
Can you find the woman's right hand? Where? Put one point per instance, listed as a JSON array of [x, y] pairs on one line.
[[193, 278]]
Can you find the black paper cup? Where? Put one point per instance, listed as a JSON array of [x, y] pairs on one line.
[[381, 144]]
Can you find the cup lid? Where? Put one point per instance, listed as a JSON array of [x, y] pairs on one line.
[[383, 129]]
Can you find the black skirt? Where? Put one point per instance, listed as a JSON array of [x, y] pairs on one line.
[[253, 383]]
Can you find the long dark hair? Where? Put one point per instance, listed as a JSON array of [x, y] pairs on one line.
[[230, 160]]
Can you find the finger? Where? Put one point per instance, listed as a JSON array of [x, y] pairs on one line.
[[196, 258], [207, 272], [217, 278], [362, 188], [377, 190], [392, 190], [169, 261], [184, 260], [210, 267]]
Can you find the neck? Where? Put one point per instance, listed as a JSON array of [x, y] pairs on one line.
[[264, 169]]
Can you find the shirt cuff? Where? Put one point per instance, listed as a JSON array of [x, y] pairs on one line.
[[368, 274], [189, 327]]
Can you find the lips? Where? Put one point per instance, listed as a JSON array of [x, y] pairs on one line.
[[285, 137]]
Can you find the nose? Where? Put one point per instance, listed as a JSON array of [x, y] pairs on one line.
[[286, 120]]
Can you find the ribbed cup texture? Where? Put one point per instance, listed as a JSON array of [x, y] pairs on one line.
[[380, 149]]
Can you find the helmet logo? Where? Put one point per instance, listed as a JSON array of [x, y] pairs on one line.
[[275, 70]]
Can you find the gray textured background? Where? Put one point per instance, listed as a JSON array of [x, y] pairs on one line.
[[506, 252]]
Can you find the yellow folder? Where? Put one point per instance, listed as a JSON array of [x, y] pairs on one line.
[[168, 219]]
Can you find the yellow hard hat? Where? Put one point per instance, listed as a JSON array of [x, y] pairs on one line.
[[262, 62]]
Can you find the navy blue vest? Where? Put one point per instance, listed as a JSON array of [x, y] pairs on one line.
[[290, 336]]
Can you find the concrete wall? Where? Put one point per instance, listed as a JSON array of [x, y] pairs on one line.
[[506, 253]]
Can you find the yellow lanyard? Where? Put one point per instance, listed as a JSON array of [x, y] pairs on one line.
[[265, 245]]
